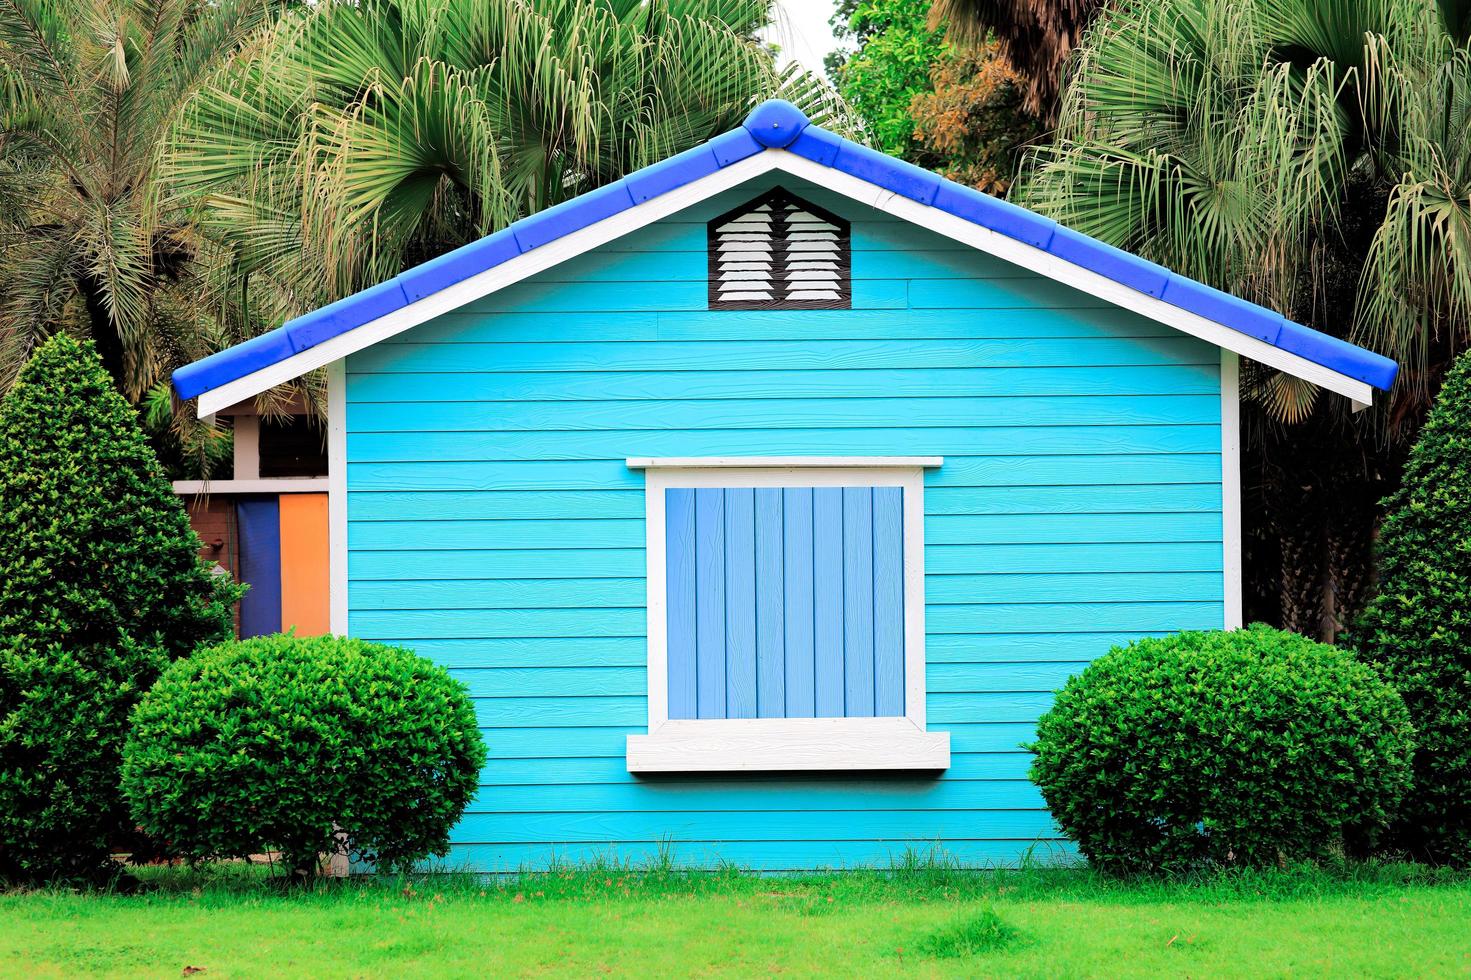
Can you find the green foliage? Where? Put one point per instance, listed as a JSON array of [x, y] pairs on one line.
[[355, 139], [1214, 749], [101, 586], [285, 742], [87, 90], [971, 125], [605, 917], [985, 932], [1417, 629], [897, 52], [1036, 37], [1313, 156], [1231, 140], [955, 111]]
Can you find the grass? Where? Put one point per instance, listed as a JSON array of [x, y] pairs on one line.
[[921, 919]]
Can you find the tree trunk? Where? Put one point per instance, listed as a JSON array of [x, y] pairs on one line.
[[105, 333], [1300, 530], [1311, 509]]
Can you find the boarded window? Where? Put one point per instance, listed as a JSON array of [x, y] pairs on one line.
[[779, 253], [785, 602]]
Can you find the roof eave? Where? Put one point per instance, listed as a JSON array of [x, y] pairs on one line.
[[778, 136]]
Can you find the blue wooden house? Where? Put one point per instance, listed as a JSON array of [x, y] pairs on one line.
[[762, 497]]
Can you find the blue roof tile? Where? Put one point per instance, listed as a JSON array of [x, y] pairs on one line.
[[310, 329], [574, 215], [1122, 267], [1340, 355], [1000, 216], [678, 170], [209, 373], [778, 124], [1225, 309], [459, 265], [817, 145], [732, 147], [881, 169]]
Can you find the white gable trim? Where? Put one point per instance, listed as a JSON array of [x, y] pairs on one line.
[[1069, 274], [492, 280], [1231, 533], [337, 496], [943, 223]]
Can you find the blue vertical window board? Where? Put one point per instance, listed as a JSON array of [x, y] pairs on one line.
[[785, 602], [260, 565]]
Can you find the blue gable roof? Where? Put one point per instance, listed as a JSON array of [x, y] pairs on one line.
[[781, 125]]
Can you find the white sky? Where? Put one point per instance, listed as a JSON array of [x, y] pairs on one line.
[[802, 31]]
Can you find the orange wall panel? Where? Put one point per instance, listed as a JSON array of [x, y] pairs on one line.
[[304, 574]]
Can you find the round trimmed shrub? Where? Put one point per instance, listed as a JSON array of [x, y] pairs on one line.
[[1417, 628], [1206, 749], [306, 745], [101, 586]]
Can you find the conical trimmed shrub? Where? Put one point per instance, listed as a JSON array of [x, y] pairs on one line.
[[101, 586], [1417, 629]]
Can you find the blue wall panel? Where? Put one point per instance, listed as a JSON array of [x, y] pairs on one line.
[[740, 603], [494, 526], [827, 601], [771, 670], [858, 602], [888, 601], [260, 565], [797, 608], [710, 658], [679, 538]]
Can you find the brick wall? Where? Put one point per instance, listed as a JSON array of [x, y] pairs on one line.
[[213, 519]]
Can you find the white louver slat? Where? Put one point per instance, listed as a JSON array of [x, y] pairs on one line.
[[778, 252]]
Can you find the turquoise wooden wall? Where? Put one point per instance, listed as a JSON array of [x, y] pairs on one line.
[[494, 527]]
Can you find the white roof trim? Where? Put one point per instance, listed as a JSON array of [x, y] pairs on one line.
[[492, 280], [943, 223], [272, 484]]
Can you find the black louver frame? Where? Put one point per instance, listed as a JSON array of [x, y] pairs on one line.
[[779, 252]]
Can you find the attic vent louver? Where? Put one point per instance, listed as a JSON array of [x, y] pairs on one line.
[[779, 253]]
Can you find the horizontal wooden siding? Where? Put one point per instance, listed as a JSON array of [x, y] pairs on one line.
[[494, 526]]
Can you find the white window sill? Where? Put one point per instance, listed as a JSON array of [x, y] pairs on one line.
[[788, 745]]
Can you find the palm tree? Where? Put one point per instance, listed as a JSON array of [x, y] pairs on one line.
[[1312, 155], [1035, 37], [356, 138], [87, 90]]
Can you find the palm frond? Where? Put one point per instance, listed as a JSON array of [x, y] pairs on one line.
[[89, 88], [354, 138], [1416, 286], [1226, 140]]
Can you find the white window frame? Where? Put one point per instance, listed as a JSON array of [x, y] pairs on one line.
[[787, 744]]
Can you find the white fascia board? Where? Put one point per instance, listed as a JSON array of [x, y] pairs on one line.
[[1232, 540], [1069, 274], [609, 229], [508, 273], [337, 497]]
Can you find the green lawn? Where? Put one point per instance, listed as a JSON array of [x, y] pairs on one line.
[[1378, 921]]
